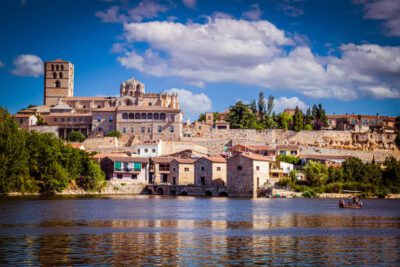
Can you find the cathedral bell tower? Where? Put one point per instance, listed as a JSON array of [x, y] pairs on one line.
[[58, 81]]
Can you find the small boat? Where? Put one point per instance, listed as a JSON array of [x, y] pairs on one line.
[[354, 202]]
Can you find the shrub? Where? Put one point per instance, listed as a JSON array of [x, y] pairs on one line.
[[76, 136], [309, 193], [333, 188], [114, 134]]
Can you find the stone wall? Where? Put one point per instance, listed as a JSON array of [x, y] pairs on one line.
[[99, 144], [44, 129]]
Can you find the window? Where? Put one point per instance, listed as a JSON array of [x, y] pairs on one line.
[[150, 116], [124, 116], [137, 166], [134, 176], [124, 129], [150, 104], [162, 116], [239, 168], [202, 168], [203, 180], [54, 75], [98, 118], [171, 129], [57, 67], [58, 84], [174, 180], [257, 168], [143, 116], [186, 169], [52, 67], [80, 119], [100, 129], [159, 129], [173, 169], [146, 150], [110, 128], [60, 75], [119, 176], [84, 106], [153, 150], [218, 168], [156, 116], [74, 119], [142, 129], [69, 119], [62, 119], [62, 67], [98, 106], [132, 130], [55, 119], [138, 150], [131, 116], [110, 118], [137, 116], [149, 130]]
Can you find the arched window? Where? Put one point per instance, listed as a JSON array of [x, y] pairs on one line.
[[57, 67], [156, 116], [162, 116], [54, 75], [58, 84], [128, 102], [125, 116], [62, 67], [131, 116], [52, 66], [150, 116], [98, 106], [131, 93], [137, 116], [150, 104], [84, 106], [143, 117], [61, 75]]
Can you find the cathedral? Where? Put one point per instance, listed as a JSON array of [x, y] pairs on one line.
[[134, 113]]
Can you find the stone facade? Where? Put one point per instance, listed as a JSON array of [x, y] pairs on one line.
[[126, 169], [210, 171], [181, 172], [247, 173], [58, 81]]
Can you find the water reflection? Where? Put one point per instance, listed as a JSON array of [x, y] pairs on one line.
[[141, 231]]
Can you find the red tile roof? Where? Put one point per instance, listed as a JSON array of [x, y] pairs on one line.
[[184, 161], [129, 159], [215, 159], [256, 157]]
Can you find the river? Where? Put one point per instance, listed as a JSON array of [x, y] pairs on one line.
[[197, 231]]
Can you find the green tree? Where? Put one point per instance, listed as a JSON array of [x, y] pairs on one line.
[[284, 119], [397, 124], [216, 116], [262, 107], [269, 122], [353, 169], [202, 117], [308, 127], [241, 117], [316, 173], [270, 106], [289, 159], [114, 134], [391, 175], [298, 120], [40, 121], [92, 178], [253, 106], [76, 136]]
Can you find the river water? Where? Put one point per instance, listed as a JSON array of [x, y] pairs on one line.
[[190, 231]]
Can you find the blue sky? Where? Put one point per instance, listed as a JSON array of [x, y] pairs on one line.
[[344, 54]]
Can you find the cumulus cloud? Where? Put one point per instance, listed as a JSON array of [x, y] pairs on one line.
[[189, 3], [146, 9], [28, 66], [225, 49], [284, 102], [254, 13], [1, 64], [386, 10], [192, 104]]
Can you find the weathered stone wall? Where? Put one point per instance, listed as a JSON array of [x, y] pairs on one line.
[[98, 144], [44, 129]]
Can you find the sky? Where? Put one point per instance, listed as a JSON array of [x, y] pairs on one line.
[[344, 54]]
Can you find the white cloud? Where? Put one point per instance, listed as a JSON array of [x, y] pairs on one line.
[[386, 10], [146, 9], [28, 65], [1, 64], [189, 3], [284, 102], [292, 8], [192, 104], [257, 53], [254, 13]]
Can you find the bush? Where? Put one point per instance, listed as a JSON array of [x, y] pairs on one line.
[[333, 188], [114, 134], [309, 193], [284, 182], [76, 136]]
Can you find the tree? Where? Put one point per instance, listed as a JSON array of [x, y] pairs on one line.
[[298, 120], [289, 159], [316, 173], [284, 120], [308, 127], [93, 178], [391, 174], [253, 106], [216, 116], [241, 117], [262, 108], [353, 169], [76, 136], [40, 121], [202, 117], [397, 124], [270, 105], [114, 134], [269, 122]]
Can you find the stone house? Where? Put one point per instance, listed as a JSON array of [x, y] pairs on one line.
[[181, 172], [126, 169], [288, 150], [25, 120], [160, 170], [263, 150], [247, 173], [210, 171], [279, 170]]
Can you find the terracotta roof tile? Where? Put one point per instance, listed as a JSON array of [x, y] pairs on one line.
[[256, 157]]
